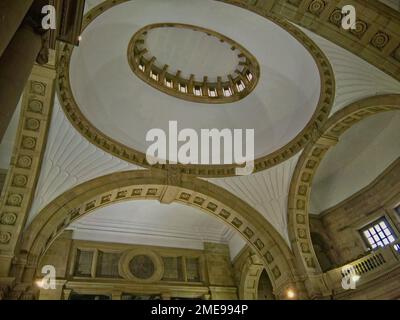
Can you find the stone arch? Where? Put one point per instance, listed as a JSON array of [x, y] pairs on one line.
[[252, 270], [251, 273], [166, 187], [300, 189]]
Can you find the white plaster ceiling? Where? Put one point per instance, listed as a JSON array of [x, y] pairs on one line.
[[69, 160], [361, 155], [192, 52], [267, 191], [148, 222], [125, 108]]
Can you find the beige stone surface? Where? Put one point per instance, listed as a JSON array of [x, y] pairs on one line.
[[215, 270]]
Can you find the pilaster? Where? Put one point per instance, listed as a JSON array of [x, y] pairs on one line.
[[24, 170]]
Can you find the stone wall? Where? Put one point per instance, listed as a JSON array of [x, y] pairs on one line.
[[108, 271], [385, 287]]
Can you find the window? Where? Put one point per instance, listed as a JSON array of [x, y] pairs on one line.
[[83, 266], [193, 270], [197, 91], [212, 92], [183, 88], [379, 234], [173, 269], [168, 83], [240, 86], [227, 92], [249, 75], [142, 67], [107, 265], [154, 76]]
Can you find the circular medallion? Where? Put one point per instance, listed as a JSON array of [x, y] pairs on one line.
[[142, 267]]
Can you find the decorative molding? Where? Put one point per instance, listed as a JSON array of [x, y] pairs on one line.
[[27, 157], [251, 269], [228, 88], [140, 185], [265, 191], [69, 160], [376, 38], [83, 125], [125, 266], [124, 231], [356, 79]]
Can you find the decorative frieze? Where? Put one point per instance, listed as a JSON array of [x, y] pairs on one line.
[[212, 199], [377, 27]]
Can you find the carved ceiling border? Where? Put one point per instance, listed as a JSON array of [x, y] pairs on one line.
[[196, 88], [376, 38], [157, 185], [95, 136]]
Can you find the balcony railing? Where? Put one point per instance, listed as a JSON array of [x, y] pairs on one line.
[[367, 268]]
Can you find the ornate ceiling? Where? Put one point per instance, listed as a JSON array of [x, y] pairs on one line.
[[193, 63], [282, 107], [376, 38], [152, 223], [77, 153]]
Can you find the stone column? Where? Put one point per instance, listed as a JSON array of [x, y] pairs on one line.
[[15, 67], [12, 13]]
